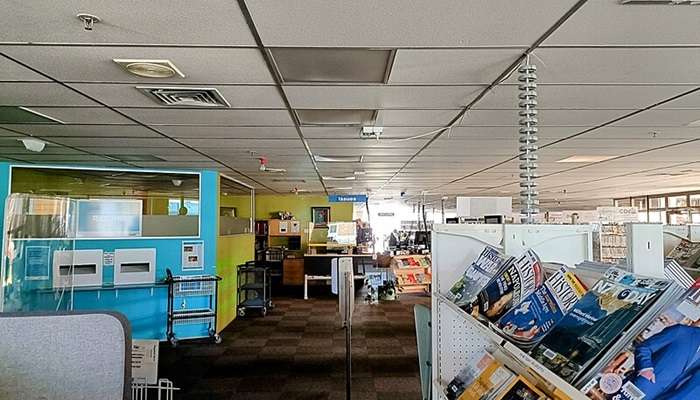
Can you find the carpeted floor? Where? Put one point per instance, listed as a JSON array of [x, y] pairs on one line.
[[298, 352]]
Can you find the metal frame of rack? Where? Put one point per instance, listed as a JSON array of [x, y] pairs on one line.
[[190, 286], [259, 284]]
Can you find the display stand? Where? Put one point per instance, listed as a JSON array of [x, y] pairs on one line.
[[456, 335]]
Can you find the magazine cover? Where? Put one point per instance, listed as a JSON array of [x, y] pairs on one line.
[[476, 276], [494, 377], [595, 321], [528, 322], [520, 277], [663, 362], [476, 365], [521, 389]]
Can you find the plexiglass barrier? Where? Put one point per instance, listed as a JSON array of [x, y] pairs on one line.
[[39, 268]]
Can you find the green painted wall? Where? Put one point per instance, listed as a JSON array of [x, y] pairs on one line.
[[300, 207], [231, 251]]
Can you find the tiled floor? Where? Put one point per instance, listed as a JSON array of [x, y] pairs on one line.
[[298, 352]]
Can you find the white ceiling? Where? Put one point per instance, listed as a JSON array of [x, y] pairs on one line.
[[605, 62]]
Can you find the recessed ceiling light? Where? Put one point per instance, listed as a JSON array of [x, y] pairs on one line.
[[150, 68], [585, 159], [337, 178], [358, 173], [34, 145], [338, 159]]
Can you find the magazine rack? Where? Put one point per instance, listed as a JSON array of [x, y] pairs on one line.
[[457, 335]]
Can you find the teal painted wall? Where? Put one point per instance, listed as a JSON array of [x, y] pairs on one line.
[[144, 307]]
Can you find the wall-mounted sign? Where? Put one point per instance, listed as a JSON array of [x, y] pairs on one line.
[[37, 262], [347, 198], [192, 255], [386, 214], [109, 218]]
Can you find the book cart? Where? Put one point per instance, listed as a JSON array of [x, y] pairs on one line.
[[201, 290], [456, 335]]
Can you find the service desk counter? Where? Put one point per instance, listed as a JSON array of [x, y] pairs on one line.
[[317, 267]]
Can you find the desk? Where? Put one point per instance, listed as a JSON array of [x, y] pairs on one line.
[[317, 267]]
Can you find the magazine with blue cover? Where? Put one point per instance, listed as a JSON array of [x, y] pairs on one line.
[[479, 273], [528, 322], [596, 321], [520, 277], [663, 362]]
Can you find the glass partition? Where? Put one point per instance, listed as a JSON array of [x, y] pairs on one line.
[[236, 207], [38, 267], [117, 203]]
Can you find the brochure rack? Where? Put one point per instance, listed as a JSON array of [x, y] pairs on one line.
[[457, 335]]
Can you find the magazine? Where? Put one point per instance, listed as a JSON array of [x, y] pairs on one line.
[[520, 389], [476, 276], [596, 321], [520, 277], [475, 366], [663, 362], [491, 380], [528, 322]]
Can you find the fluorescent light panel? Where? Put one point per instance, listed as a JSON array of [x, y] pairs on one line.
[[585, 159], [338, 159], [337, 178]]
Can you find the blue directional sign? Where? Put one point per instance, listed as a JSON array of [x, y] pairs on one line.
[[347, 198]]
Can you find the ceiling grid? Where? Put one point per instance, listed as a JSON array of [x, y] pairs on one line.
[[303, 77]]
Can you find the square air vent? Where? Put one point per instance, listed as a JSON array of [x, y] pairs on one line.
[[333, 65], [185, 96], [336, 117]]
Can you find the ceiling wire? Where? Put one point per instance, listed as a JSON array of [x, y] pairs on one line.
[[501, 77]]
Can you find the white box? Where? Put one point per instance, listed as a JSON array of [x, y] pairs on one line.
[[134, 266], [477, 207], [77, 268]]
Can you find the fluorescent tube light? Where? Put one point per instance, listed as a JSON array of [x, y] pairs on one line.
[[338, 159], [585, 159]]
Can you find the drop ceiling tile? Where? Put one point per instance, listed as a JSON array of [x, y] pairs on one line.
[[607, 22], [691, 100], [11, 71], [85, 142], [615, 66], [155, 22], [623, 97], [377, 97], [225, 117], [331, 64], [127, 95], [32, 94], [229, 132], [456, 66], [84, 130], [245, 143], [546, 117], [396, 23], [310, 117], [94, 64], [426, 118], [83, 115], [664, 117], [129, 148]]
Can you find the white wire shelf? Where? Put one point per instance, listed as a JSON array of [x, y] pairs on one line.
[[514, 357]]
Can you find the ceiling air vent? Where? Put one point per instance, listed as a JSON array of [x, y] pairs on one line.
[[185, 97]]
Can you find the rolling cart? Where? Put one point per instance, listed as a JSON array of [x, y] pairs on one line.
[[191, 286], [253, 288]]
